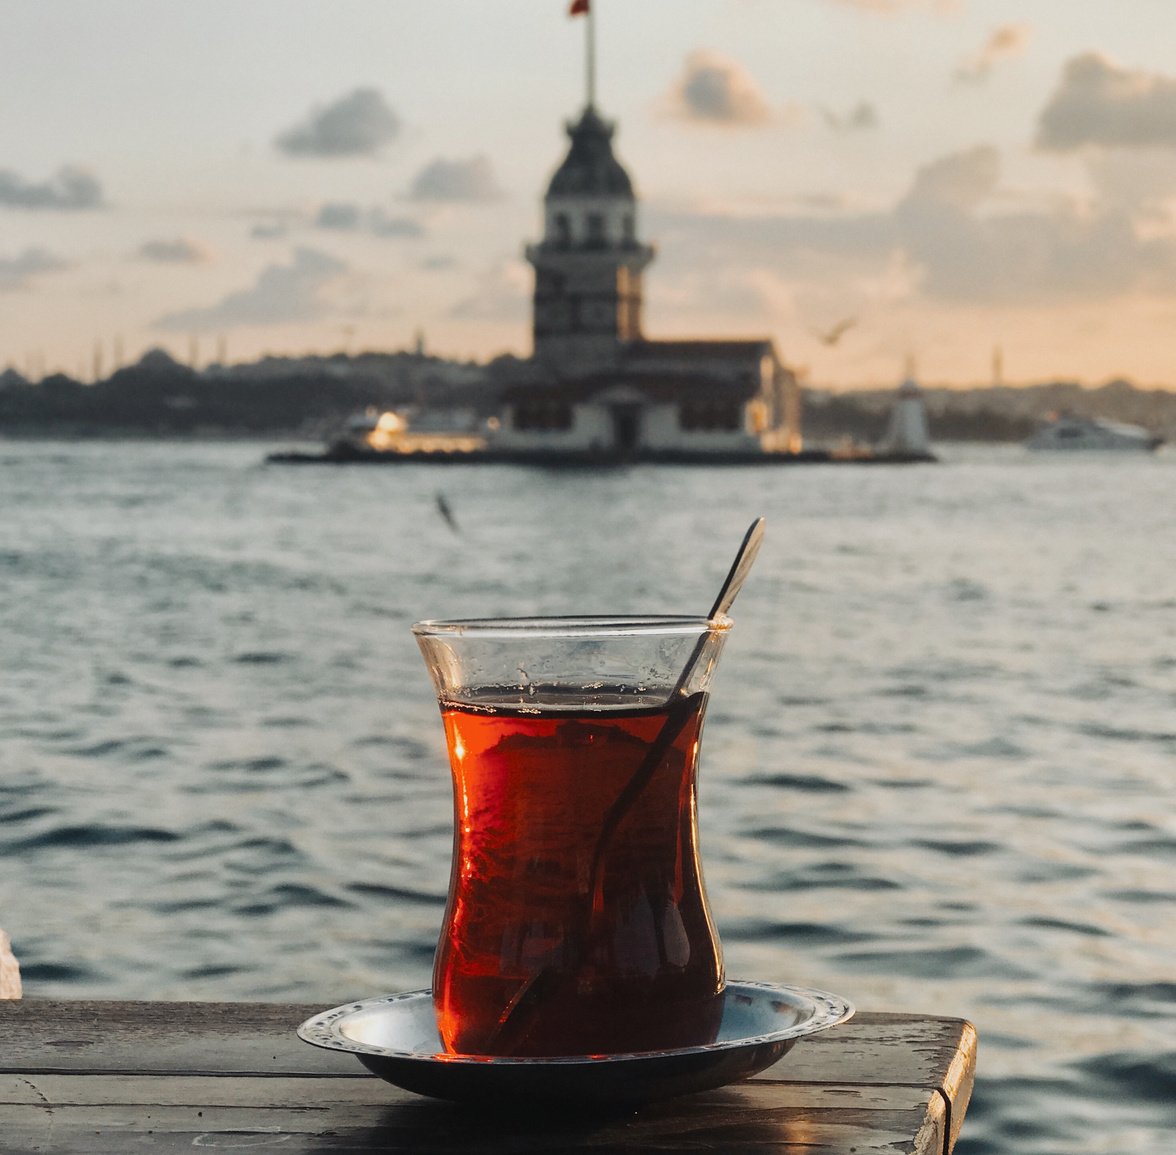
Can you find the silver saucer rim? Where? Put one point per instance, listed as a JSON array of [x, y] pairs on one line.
[[825, 1010]]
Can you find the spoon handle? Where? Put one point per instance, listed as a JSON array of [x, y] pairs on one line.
[[736, 576], [740, 568]]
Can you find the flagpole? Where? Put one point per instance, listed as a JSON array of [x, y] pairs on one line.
[[590, 63]]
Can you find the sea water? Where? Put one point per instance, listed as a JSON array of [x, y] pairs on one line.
[[939, 772]]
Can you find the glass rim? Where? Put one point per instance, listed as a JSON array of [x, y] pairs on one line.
[[573, 626]]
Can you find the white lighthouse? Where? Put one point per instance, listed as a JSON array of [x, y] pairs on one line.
[[906, 437]]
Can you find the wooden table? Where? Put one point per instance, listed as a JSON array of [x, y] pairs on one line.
[[109, 1078]]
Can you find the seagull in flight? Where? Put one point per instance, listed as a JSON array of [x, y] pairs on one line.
[[832, 336], [446, 513]]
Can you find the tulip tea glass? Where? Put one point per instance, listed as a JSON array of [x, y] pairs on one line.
[[577, 921]]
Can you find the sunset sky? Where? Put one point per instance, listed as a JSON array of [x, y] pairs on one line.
[[936, 179]]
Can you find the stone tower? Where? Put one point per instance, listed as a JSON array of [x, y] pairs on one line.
[[589, 264]]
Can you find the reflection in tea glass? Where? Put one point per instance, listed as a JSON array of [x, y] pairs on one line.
[[577, 921]]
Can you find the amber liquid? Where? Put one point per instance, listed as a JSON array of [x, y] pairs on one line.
[[577, 919]]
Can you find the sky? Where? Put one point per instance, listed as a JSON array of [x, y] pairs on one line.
[[978, 189]]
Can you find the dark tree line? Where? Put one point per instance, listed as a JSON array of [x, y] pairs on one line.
[[160, 397], [285, 397]]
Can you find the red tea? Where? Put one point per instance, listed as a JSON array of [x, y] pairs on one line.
[[577, 920]]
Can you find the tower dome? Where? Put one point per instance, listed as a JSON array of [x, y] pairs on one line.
[[590, 168]]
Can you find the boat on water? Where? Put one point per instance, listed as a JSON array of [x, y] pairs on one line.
[[405, 433], [1067, 432]]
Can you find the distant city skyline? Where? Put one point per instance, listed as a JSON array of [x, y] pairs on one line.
[[980, 189]]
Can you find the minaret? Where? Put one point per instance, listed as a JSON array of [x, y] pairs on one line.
[[588, 266]]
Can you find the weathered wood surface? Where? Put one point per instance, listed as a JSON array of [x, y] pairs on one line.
[[99, 1078]]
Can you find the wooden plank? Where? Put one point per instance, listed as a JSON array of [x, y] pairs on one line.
[[247, 1038], [178, 1113], [258, 1038], [169, 1130], [327, 1093], [876, 1048], [956, 1087], [86, 1077]]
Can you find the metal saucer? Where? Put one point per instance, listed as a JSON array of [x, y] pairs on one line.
[[395, 1037]]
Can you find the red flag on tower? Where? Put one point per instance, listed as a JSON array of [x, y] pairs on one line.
[[578, 8]]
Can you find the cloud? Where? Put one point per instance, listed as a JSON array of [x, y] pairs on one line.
[[179, 251], [343, 216], [1141, 183], [280, 295], [957, 237], [863, 115], [67, 190], [502, 293], [269, 230], [960, 182], [1006, 41], [968, 252], [17, 272], [456, 180], [358, 124], [1099, 103], [715, 90], [385, 226], [743, 291]]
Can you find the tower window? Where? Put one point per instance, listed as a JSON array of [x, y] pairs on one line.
[[596, 235], [563, 230]]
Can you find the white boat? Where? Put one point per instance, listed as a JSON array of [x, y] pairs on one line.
[[407, 432], [1068, 432]]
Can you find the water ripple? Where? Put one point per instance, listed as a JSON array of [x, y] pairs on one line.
[[81, 837], [283, 896], [812, 783], [938, 963], [1130, 1076]]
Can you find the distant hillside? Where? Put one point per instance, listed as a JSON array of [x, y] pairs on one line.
[[311, 396], [276, 396]]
